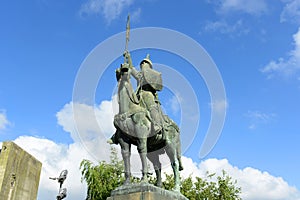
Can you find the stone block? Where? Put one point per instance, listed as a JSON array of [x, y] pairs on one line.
[[144, 191], [19, 173]]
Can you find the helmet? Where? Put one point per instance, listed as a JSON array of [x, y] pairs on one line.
[[147, 59]]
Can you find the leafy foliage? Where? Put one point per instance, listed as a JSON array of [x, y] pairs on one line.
[[211, 188], [103, 178]]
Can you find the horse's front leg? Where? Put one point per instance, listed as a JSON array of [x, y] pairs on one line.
[[142, 130], [126, 151], [142, 149]]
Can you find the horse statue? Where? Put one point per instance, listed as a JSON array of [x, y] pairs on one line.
[[133, 127]]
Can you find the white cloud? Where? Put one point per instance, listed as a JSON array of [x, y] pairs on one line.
[[225, 28], [253, 7], [286, 67], [255, 184], [3, 120], [257, 117], [219, 106], [85, 122], [136, 15], [291, 11], [89, 127], [57, 157], [174, 103], [225, 9], [110, 9]]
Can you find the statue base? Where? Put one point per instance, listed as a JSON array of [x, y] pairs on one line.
[[144, 191]]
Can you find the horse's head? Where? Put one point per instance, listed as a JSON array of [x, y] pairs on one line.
[[124, 70]]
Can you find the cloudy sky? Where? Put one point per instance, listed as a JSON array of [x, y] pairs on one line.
[[231, 71]]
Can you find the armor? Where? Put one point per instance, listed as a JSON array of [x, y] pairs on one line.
[[153, 78], [147, 60]]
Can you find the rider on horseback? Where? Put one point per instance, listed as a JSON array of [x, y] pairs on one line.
[[149, 82]]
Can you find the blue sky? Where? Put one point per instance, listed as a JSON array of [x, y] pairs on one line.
[[255, 46]]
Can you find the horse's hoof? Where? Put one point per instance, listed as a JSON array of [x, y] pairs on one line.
[[126, 182], [176, 189], [180, 168], [159, 184], [144, 180], [109, 141]]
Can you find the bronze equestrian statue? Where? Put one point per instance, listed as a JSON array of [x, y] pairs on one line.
[[141, 122]]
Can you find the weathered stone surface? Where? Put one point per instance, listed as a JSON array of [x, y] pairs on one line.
[[144, 191], [19, 173]]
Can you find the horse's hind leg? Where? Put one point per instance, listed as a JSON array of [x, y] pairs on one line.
[[154, 158], [171, 152], [178, 152]]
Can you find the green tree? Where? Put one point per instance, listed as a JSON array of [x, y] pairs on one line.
[[101, 179], [210, 188]]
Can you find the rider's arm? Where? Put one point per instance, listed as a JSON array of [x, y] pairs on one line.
[[127, 56], [135, 73]]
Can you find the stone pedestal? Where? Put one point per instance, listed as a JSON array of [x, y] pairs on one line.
[[144, 191]]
